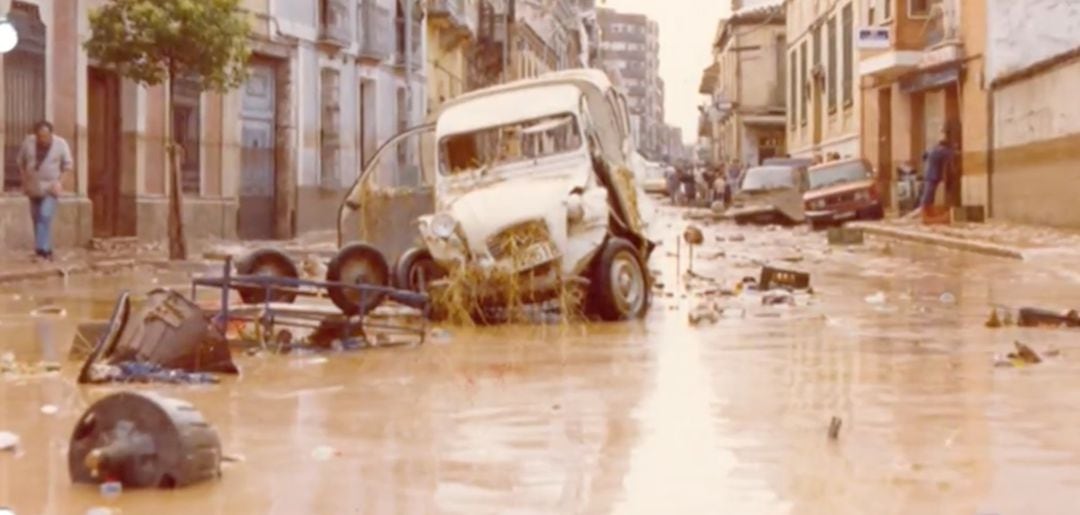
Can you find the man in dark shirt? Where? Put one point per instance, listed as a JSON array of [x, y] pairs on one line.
[[936, 162]]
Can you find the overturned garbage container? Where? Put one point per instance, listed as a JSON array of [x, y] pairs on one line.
[[143, 440], [170, 332]]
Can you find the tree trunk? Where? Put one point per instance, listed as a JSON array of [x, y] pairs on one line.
[[177, 243]]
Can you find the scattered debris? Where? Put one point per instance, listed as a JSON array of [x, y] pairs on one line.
[[440, 335], [111, 490], [772, 277], [50, 311], [693, 235], [705, 314], [8, 441], [994, 322], [137, 372], [1036, 317], [143, 440], [324, 452], [845, 236], [876, 299], [1052, 353], [1025, 354], [834, 428], [737, 238], [49, 409], [947, 298], [778, 298]]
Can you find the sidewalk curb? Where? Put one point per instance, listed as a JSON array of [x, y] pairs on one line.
[[977, 247], [59, 270]]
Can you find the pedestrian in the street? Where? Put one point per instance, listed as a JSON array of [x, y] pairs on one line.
[[708, 177], [43, 160], [935, 164]]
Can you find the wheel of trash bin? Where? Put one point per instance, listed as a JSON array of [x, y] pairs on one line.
[[359, 264], [415, 269], [268, 262], [620, 288]]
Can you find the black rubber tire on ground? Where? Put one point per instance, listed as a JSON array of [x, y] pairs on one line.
[[620, 288], [358, 263], [410, 264], [266, 262]]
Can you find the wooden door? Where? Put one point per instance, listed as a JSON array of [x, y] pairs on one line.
[[103, 151]]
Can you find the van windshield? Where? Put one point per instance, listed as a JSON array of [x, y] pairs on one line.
[[833, 175], [506, 144]]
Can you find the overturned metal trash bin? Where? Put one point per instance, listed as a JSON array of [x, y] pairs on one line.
[[170, 331], [143, 440]]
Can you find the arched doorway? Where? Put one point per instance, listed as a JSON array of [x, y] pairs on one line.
[[24, 86]]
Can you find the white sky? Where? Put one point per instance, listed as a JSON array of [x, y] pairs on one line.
[[686, 31]]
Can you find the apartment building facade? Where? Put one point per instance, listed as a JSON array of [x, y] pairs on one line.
[[329, 80], [629, 44], [823, 94], [744, 118], [920, 86]]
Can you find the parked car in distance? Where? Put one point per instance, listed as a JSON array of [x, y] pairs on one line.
[[841, 191], [770, 194], [655, 180]]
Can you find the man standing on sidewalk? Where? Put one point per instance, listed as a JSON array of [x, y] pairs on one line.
[[937, 162], [43, 159]]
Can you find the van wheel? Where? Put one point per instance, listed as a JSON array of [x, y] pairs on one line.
[[266, 262], [620, 288], [358, 264], [415, 269]]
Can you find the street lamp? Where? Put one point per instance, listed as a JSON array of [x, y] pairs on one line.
[[9, 37]]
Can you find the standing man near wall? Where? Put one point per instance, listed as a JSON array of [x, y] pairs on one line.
[[937, 162], [43, 159]]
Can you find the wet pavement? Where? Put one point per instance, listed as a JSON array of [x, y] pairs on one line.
[[650, 417]]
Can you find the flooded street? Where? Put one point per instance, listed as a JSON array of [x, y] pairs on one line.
[[651, 417]]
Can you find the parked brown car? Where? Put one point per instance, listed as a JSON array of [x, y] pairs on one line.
[[841, 191]]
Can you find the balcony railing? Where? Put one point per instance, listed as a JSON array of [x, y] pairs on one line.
[[374, 31], [943, 24], [334, 23]]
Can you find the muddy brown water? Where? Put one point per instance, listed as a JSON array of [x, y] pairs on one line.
[[646, 417]]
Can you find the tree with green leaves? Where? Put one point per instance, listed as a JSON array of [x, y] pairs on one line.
[[154, 42]]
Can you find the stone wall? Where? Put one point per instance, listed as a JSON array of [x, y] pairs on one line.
[[1035, 177]]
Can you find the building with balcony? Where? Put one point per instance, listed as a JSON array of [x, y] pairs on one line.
[[919, 86], [823, 95], [630, 44], [452, 30], [329, 81], [1032, 74], [744, 117]]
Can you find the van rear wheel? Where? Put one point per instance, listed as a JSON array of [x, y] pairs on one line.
[[620, 286]]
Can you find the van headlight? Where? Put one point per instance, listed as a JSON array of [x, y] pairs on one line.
[[443, 226], [575, 208]]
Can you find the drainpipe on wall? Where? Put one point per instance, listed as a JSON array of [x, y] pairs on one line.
[[990, 151]]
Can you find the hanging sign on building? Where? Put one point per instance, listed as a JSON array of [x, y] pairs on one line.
[[873, 38]]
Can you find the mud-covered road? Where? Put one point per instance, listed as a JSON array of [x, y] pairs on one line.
[[651, 417]]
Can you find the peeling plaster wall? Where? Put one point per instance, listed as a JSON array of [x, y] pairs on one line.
[[1024, 32]]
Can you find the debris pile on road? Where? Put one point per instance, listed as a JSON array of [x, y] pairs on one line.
[[170, 340], [12, 367]]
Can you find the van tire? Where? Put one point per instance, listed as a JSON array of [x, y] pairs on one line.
[[620, 288]]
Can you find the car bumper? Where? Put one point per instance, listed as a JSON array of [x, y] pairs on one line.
[[845, 213]]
